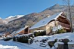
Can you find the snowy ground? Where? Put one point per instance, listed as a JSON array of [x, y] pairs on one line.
[[13, 45], [35, 45], [69, 36]]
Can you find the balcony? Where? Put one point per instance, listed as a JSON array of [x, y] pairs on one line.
[[64, 25]]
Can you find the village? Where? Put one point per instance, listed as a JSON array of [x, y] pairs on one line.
[[51, 32]]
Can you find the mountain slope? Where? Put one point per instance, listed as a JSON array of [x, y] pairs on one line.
[[11, 18], [15, 23]]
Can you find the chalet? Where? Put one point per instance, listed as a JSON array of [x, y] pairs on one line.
[[58, 19], [21, 31]]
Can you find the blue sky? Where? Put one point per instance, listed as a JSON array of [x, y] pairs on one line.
[[23, 7]]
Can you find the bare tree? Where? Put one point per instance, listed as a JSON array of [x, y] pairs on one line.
[[69, 8], [69, 12]]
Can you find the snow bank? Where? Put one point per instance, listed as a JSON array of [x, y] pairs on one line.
[[69, 36], [8, 47], [36, 45], [70, 42], [13, 45], [56, 44]]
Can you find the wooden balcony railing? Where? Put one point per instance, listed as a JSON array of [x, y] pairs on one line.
[[64, 25]]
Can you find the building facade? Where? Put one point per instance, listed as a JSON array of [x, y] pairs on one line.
[[53, 21]]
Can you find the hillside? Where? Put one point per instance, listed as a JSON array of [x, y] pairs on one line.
[[31, 19]]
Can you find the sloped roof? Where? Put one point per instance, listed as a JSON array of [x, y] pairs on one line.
[[45, 21], [20, 30], [15, 32]]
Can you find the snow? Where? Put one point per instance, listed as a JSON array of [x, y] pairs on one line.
[[10, 17], [69, 36], [57, 27], [37, 42], [16, 16], [63, 36], [19, 30], [19, 16], [38, 30], [23, 35], [39, 38], [8, 47], [13, 45], [70, 42], [15, 32], [56, 44], [45, 21], [5, 22], [36, 45]]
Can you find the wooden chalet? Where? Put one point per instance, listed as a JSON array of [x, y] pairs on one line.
[[21, 31], [52, 21]]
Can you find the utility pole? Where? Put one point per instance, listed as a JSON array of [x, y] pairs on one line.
[[69, 10]]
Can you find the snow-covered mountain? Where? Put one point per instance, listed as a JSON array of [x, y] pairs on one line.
[[32, 18], [1, 21], [10, 18], [16, 16]]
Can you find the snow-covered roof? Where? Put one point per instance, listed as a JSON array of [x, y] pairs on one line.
[[19, 30], [23, 35], [45, 21]]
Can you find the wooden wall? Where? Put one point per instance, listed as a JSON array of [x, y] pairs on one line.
[[25, 31]]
